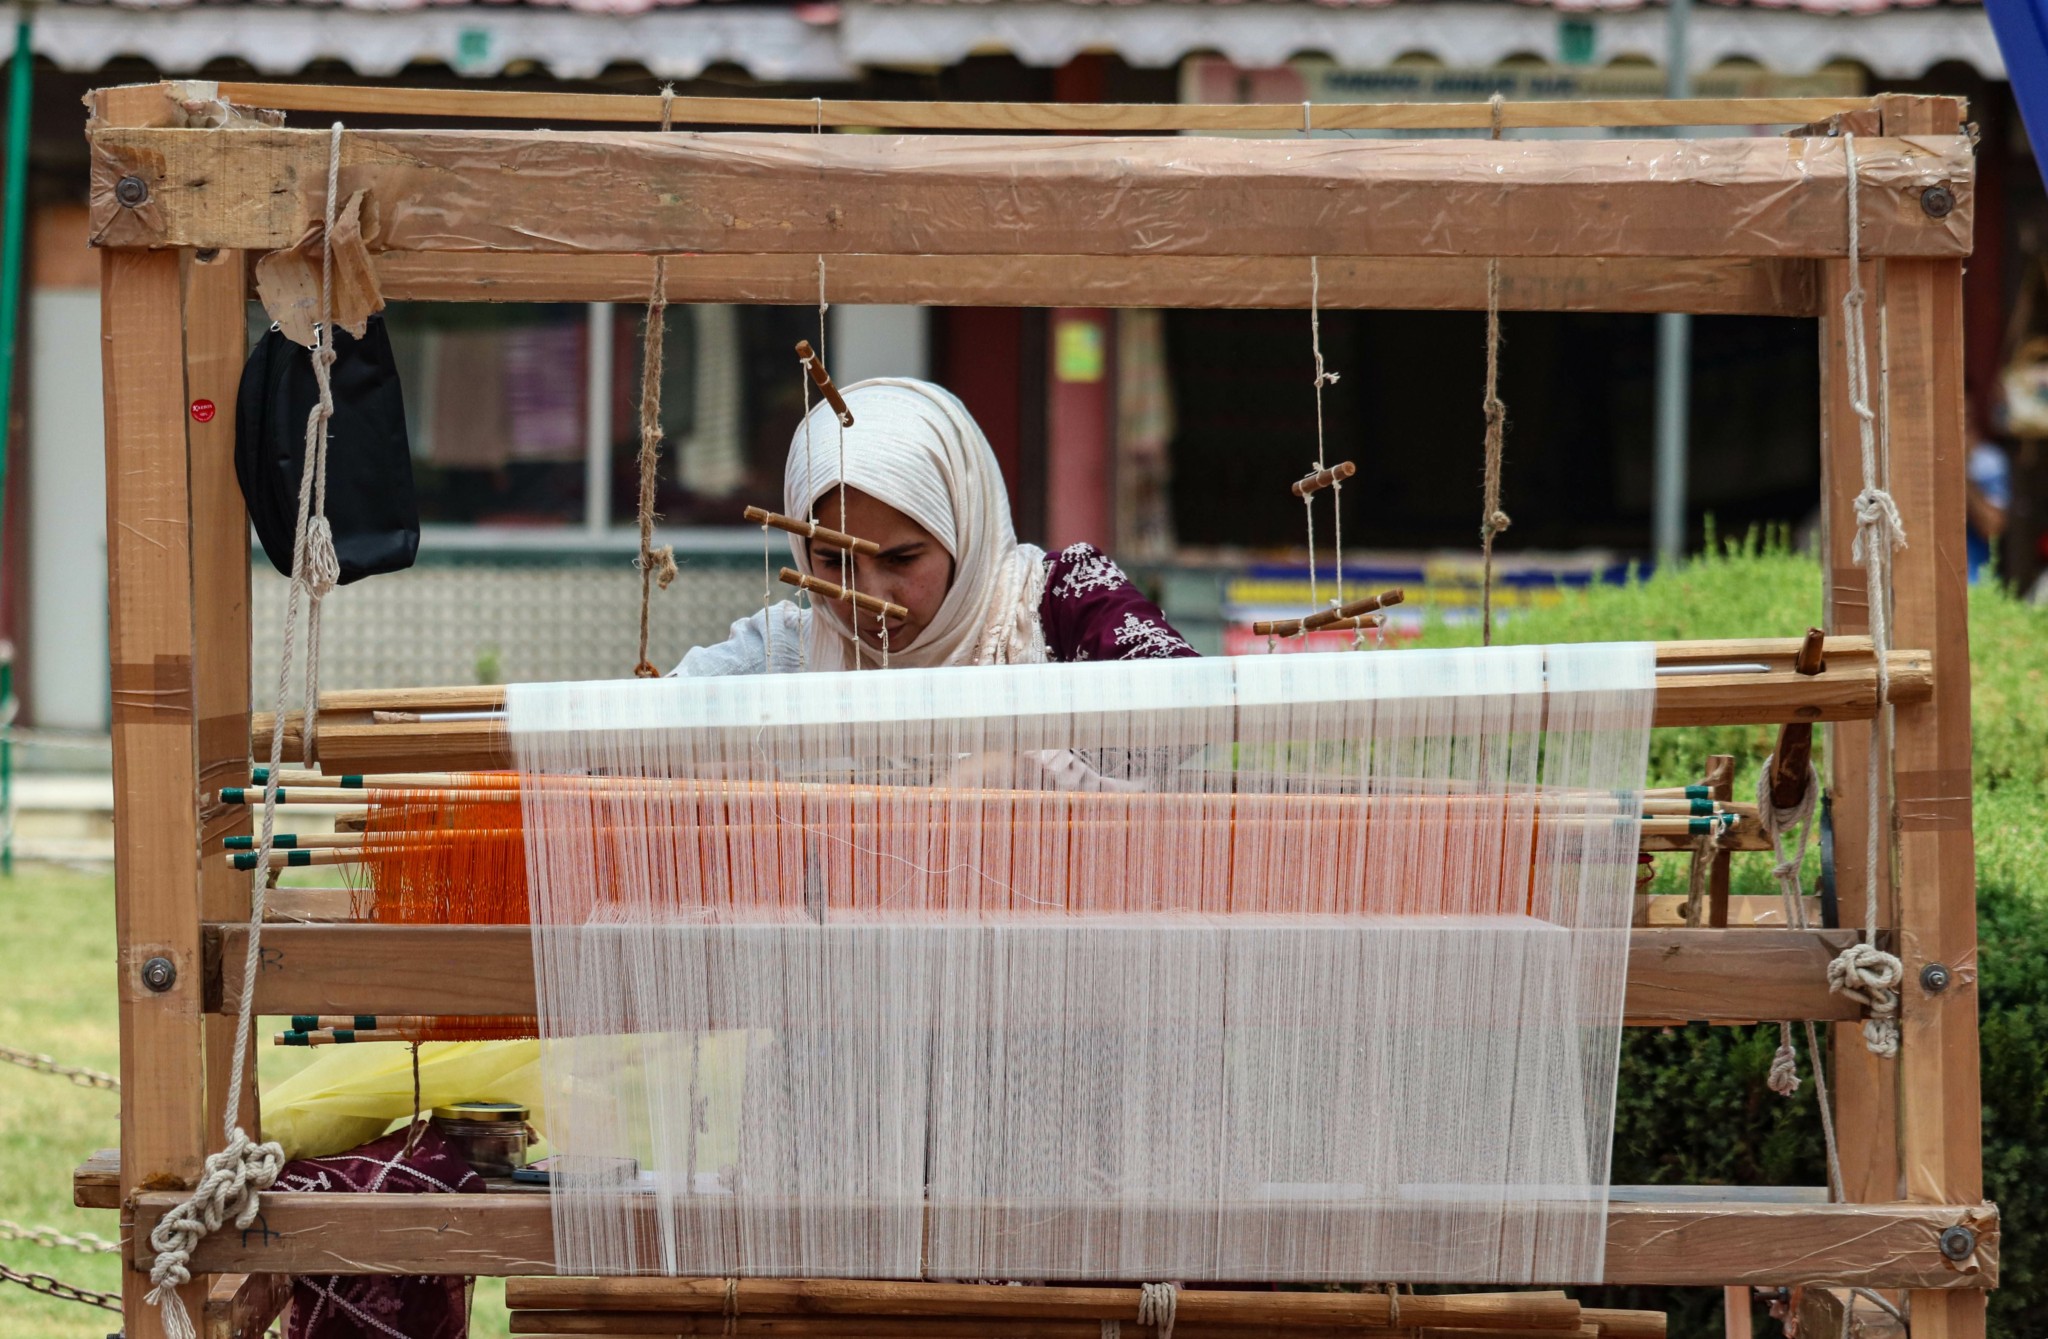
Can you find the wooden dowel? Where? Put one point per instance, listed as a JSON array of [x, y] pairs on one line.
[[816, 367], [670, 1325], [1385, 599], [1794, 753], [872, 1299], [1065, 117], [811, 530], [1310, 484], [820, 586], [1341, 616]]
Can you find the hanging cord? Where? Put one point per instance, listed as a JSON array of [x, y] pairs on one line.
[[1323, 377], [1863, 971], [1492, 520], [655, 564], [233, 1179], [1784, 1076]]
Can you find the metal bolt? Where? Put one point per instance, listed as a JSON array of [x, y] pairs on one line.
[[1937, 202], [1958, 1243], [159, 974], [131, 191], [1934, 978]]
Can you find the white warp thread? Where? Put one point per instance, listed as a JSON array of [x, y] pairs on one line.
[[1193, 1022], [1864, 972]]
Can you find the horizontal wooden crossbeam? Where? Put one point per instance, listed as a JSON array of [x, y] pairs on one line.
[[596, 192], [1422, 283], [1743, 975], [353, 740], [1705, 1244], [809, 113]]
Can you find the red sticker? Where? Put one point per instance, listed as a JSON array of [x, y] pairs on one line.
[[202, 411]]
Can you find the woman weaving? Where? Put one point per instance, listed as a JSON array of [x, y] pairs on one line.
[[921, 481]]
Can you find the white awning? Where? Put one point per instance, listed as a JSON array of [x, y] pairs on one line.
[[674, 39], [1893, 43], [277, 39]]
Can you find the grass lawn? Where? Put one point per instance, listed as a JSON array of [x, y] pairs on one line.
[[58, 926]]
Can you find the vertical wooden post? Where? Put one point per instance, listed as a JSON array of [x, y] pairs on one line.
[[1721, 784], [1865, 1090], [1941, 1114], [216, 343], [164, 1131]]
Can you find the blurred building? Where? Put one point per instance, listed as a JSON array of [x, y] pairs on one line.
[[1168, 436]]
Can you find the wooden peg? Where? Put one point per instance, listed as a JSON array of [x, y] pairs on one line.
[[811, 530], [816, 367], [819, 586], [1794, 753], [1321, 479], [1370, 604]]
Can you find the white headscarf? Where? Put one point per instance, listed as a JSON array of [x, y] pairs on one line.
[[914, 446]]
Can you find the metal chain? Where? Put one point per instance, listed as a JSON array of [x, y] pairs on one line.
[[43, 1064], [57, 1288], [57, 1240]]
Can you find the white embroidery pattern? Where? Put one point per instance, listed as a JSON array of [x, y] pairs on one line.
[[1147, 640], [1088, 570]]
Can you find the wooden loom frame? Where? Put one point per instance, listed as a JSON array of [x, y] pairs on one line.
[[1578, 225]]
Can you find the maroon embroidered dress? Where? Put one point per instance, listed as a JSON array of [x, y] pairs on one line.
[[381, 1306], [1091, 611]]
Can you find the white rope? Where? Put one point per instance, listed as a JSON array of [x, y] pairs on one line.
[[1156, 1304], [1776, 822], [228, 1191], [1864, 972]]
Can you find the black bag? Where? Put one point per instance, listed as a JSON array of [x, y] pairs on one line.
[[370, 501]]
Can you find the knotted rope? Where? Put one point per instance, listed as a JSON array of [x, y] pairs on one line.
[[655, 564], [1156, 1304], [1492, 520], [1776, 822], [234, 1178], [1864, 972]]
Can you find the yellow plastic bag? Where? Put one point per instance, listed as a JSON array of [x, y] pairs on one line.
[[352, 1094]]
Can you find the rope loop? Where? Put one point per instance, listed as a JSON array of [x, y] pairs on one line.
[[1877, 516], [1156, 1304], [1784, 1076], [1871, 977], [228, 1192]]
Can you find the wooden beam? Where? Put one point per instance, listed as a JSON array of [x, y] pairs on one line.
[[600, 192], [164, 1130], [242, 1306], [352, 740], [1707, 287], [1743, 975], [806, 113], [216, 344], [1707, 1245]]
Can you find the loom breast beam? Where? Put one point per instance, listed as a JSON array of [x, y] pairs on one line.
[[618, 193], [351, 740]]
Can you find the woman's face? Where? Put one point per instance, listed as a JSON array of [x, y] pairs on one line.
[[913, 569]]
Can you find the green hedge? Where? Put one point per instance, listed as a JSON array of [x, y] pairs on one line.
[[1693, 1105]]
